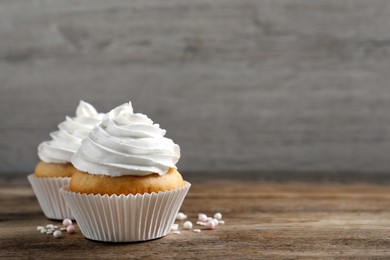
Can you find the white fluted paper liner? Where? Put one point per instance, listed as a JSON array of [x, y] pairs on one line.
[[125, 218], [47, 191]]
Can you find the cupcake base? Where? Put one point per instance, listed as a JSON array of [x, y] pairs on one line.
[[125, 218], [47, 191]]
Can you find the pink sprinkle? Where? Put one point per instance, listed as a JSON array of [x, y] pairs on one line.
[[210, 224], [202, 217], [70, 229], [66, 222]]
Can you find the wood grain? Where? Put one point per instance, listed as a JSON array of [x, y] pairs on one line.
[[263, 220], [241, 85]]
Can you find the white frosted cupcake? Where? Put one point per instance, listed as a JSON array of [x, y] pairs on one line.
[[55, 169], [126, 187]]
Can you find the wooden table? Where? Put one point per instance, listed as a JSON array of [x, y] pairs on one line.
[[272, 220]]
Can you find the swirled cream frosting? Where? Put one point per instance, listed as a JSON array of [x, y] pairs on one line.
[[126, 143], [72, 131]]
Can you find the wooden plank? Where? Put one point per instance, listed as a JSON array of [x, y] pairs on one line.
[[241, 85], [262, 176], [294, 220]]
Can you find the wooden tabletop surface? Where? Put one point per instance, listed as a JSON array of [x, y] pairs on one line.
[[263, 219]]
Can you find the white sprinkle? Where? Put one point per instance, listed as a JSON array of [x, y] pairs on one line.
[[202, 217], [50, 231], [221, 222], [177, 232], [181, 216], [39, 228], [187, 225], [63, 228], [218, 216], [57, 234], [55, 227], [201, 223], [209, 219], [43, 230], [197, 230], [49, 226], [174, 227], [215, 221]]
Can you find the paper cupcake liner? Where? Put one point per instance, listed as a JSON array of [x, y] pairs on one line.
[[125, 218], [47, 191]]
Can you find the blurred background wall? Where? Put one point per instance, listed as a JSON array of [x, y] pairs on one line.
[[245, 86]]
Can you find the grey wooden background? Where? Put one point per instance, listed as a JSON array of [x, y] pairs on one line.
[[245, 86]]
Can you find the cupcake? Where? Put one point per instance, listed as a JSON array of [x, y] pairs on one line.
[[126, 187], [55, 169]]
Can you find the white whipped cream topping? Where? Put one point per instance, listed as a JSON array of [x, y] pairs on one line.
[[72, 131], [126, 144]]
